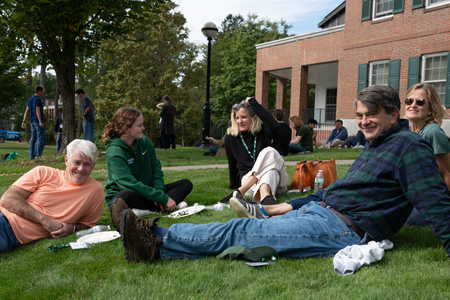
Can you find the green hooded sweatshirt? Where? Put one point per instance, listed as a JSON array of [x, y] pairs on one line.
[[136, 170]]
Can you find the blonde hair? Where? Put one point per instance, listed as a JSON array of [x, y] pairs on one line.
[[256, 121], [124, 116], [297, 122], [437, 110]]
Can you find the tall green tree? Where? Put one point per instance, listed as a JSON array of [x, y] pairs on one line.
[[233, 59], [13, 81], [57, 28], [149, 63]]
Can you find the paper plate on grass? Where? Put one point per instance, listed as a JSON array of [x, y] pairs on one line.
[[186, 211], [99, 237]]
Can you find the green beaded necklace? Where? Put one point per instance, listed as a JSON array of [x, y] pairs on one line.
[[254, 147]]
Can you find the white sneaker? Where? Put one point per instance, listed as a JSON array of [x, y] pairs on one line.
[[142, 212], [182, 204]]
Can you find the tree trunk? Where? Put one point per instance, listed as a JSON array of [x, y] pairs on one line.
[[30, 89], [65, 74], [80, 103], [30, 81], [56, 101], [42, 81]]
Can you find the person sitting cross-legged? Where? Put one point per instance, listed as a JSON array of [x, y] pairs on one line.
[[338, 135], [371, 202]]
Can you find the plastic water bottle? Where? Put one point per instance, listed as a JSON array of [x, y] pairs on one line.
[[318, 182], [94, 229]]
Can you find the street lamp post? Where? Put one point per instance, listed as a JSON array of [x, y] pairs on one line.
[[209, 30]]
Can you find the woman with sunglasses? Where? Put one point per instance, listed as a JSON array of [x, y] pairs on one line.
[[425, 113], [252, 163]]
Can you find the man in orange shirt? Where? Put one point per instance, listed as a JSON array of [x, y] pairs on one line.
[[46, 202]]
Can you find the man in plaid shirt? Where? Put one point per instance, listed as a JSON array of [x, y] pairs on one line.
[[395, 172]]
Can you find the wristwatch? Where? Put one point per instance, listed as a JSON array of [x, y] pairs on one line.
[[74, 227]]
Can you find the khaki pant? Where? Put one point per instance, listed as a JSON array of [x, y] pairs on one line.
[[268, 169]]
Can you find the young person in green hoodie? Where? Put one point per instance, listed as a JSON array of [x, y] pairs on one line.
[[134, 172]]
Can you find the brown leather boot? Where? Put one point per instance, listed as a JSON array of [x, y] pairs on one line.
[[138, 240], [116, 212]]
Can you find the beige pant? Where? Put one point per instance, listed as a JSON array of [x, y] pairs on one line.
[[268, 169], [335, 143]]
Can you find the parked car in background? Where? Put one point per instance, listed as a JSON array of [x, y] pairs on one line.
[[11, 135]]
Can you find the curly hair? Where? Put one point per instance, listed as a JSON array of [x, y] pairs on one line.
[[437, 110], [124, 116]]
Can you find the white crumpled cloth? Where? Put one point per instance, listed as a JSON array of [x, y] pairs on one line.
[[348, 260]]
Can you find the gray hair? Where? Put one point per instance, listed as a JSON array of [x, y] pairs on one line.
[[374, 96], [87, 148]]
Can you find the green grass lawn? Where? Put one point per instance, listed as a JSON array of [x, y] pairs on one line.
[[186, 156], [417, 267]]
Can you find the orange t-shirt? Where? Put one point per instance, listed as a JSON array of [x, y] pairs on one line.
[[52, 195]]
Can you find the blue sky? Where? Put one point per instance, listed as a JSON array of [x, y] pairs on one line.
[[303, 15]]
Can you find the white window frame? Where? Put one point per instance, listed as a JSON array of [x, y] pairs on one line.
[[387, 14], [331, 107], [379, 62], [422, 73], [428, 3]]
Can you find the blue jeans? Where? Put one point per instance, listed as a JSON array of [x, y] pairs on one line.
[[312, 231], [213, 149], [281, 152], [88, 128], [294, 148], [58, 141], [298, 203], [37, 140], [8, 239]]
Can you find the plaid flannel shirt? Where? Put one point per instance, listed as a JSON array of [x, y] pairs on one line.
[[390, 176]]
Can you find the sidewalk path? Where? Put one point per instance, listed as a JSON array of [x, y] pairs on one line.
[[223, 166]]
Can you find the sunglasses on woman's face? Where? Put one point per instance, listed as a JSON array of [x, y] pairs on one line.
[[419, 102]]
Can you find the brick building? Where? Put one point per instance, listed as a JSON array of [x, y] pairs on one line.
[[361, 43]]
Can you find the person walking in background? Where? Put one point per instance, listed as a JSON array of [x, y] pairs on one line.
[[37, 122], [167, 127], [281, 141], [58, 131], [88, 110]]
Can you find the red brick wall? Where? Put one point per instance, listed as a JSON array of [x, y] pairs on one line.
[[281, 93], [294, 55], [404, 35]]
